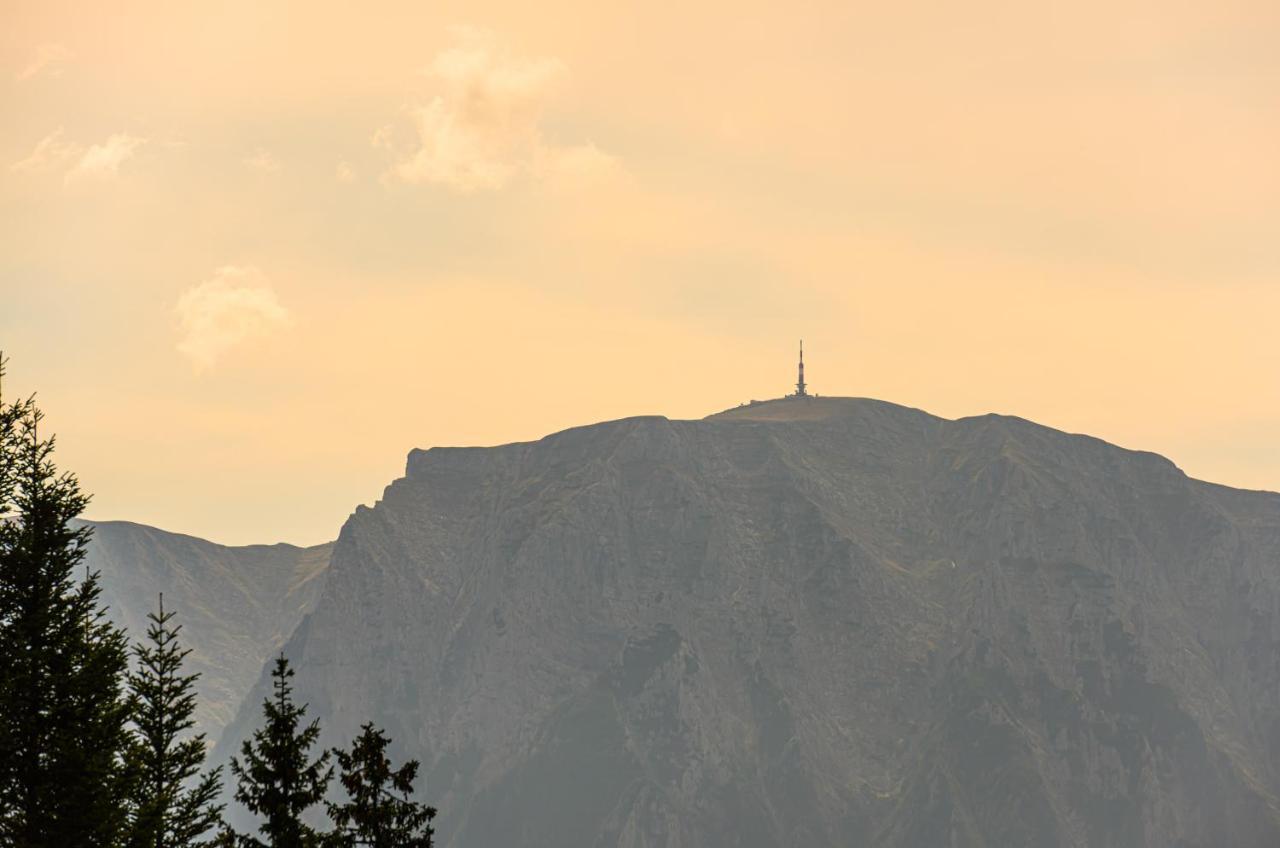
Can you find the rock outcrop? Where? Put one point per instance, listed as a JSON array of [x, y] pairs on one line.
[[809, 623]]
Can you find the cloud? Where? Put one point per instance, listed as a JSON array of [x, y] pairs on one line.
[[50, 152], [381, 137], [98, 161], [482, 129], [343, 173], [236, 306], [103, 161], [49, 60], [577, 166], [263, 161], [454, 154]]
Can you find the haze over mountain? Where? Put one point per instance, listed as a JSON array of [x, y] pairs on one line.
[[811, 622], [236, 605]]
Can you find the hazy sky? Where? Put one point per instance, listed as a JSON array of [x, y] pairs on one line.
[[251, 253]]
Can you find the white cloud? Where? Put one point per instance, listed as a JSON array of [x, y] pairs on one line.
[[456, 154], [103, 161], [482, 129], [263, 161], [577, 166], [343, 173], [98, 161], [49, 60], [381, 137], [236, 306], [50, 152]]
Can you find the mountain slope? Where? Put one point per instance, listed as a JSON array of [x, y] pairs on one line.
[[812, 622], [236, 605]]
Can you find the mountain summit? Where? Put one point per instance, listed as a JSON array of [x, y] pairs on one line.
[[810, 622]]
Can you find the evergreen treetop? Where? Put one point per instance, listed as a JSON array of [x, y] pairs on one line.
[[379, 812], [276, 777], [166, 810], [63, 709]]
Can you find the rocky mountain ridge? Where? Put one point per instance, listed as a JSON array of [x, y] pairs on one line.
[[236, 605], [811, 622]]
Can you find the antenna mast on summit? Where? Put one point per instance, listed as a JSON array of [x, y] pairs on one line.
[[800, 389]]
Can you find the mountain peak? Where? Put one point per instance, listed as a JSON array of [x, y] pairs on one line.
[[862, 623], [810, 408]]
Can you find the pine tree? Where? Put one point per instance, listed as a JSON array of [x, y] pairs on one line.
[[276, 779], [167, 810], [378, 812], [63, 709]]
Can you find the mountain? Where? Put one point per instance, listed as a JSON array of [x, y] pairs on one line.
[[811, 622], [236, 605]]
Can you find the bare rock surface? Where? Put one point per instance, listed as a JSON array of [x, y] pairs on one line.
[[236, 605], [807, 623]]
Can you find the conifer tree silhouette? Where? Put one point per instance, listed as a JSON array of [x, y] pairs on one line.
[[276, 778], [166, 810], [63, 709], [379, 812]]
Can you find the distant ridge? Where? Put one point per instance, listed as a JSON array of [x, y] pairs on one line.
[[236, 605]]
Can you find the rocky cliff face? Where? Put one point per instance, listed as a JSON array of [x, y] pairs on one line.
[[812, 622], [236, 605]]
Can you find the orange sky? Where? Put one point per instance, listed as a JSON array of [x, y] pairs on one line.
[[251, 253]]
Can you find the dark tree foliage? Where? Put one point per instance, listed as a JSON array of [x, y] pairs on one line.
[[277, 780], [169, 807], [63, 709], [378, 812]]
